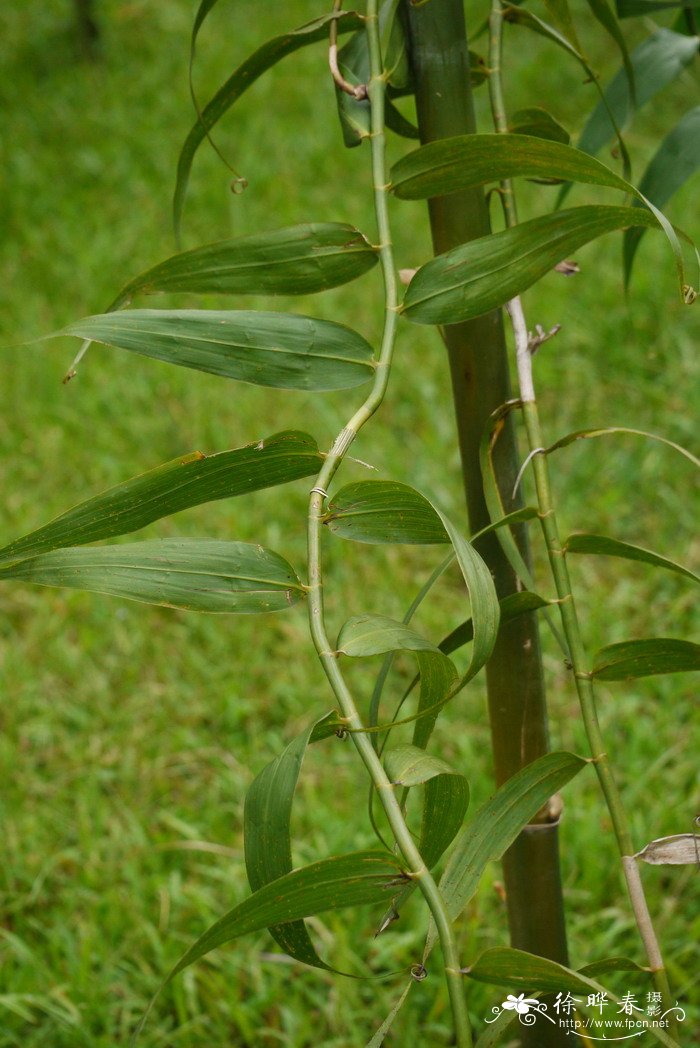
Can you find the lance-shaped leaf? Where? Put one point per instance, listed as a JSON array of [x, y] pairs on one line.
[[496, 825], [645, 658], [516, 969], [331, 884], [366, 635], [607, 547], [294, 260], [266, 832], [656, 63], [445, 803], [174, 486], [538, 123], [380, 511], [589, 434], [453, 164], [240, 80], [482, 275], [512, 607], [676, 160], [193, 574], [378, 1038], [679, 850], [603, 12], [267, 349], [613, 964]]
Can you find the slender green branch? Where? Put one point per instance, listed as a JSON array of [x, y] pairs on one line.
[[415, 866], [559, 568]]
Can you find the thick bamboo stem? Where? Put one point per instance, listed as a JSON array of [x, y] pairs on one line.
[[480, 382]]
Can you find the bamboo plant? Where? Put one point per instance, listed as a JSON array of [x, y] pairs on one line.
[[395, 50]]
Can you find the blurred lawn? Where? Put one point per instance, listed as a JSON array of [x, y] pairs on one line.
[[129, 734]]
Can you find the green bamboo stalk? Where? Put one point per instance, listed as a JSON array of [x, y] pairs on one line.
[[386, 790], [480, 381]]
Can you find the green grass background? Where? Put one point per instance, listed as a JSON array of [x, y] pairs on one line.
[[128, 734]]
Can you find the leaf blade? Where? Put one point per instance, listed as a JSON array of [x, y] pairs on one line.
[[645, 658], [177, 485], [280, 350], [188, 574], [240, 80], [603, 545]]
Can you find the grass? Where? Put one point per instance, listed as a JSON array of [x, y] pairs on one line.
[[130, 734]]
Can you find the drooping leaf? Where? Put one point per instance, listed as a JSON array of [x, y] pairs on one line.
[[612, 964], [412, 766], [445, 803], [482, 275], [294, 260], [283, 350], [240, 80], [512, 606], [452, 164], [588, 434], [603, 12], [645, 658], [174, 486], [331, 884], [267, 834], [380, 511], [635, 8], [366, 635], [193, 574], [680, 850], [675, 161], [608, 547], [519, 970], [522, 16], [496, 825], [378, 1039], [656, 63], [561, 13], [538, 123]]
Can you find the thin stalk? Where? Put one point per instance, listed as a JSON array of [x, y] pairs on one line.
[[478, 359], [557, 560], [416, 869]]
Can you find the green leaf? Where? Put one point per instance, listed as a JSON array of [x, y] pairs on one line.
[[512, 606], [266, 832], [676, 160], [604, 546], [331, 884], [645, 658], [538, 123], [294, 260], [482, 275], [634, 8], [504, 966], [240, 80], [412, 766], [378, 1039], [453, 164], [612, 964], [588, 434], [380, 511], [496, 825], [602, 11], [365, 635], [559, 10], [518, 970], [267, 349], [193, 574], [174, 486], [656, 63]]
